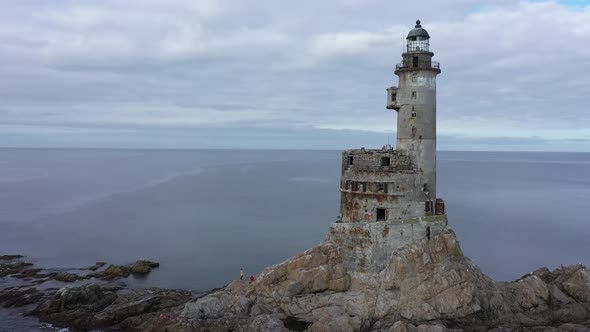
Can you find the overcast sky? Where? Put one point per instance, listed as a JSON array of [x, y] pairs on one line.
[[288, 74]]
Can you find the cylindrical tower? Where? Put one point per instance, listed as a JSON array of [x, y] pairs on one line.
[[415, 102]]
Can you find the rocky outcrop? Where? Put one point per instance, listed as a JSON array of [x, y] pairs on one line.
[[91, 306], [140, 267], [428, 285], [347, 283]]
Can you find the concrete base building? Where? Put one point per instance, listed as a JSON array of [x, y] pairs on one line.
[[398, 186]]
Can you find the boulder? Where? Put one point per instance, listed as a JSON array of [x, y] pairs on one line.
[[142, 266], [66, 276], [10, 257], [113, 272]]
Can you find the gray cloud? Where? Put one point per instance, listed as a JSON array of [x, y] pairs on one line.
[[511, 69]]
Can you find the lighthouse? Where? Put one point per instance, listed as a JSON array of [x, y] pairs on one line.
[[399, 185], [415, 103]]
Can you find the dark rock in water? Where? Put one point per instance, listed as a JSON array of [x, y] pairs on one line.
[[66, 277], [96, 266], [113, 272], [122, 271], [18, 270], [11, 297], [29, 274], [10, 257], [72, 306], [143, 266], [91, 306]]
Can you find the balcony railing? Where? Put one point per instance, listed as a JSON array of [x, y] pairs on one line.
[[420, 65]]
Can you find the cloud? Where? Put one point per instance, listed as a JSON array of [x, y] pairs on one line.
[[513, 69]]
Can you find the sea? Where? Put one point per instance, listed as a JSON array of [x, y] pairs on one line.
[[205, 214]]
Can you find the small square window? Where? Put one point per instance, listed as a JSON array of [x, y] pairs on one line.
[[383, 187], [385, 161], [380, 214], [414, 114]]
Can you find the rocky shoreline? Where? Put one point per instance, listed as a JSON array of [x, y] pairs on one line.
[[89, 298], [428, 285]]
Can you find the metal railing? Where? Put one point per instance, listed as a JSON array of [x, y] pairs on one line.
[[421, 64]]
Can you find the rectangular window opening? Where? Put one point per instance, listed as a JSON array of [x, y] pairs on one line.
[[385, 161], [414, 114], [415, 61], [383, 187], [350, 160], [413, 94], [380, 214]]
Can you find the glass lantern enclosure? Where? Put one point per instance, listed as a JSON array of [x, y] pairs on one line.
[[418, 44]]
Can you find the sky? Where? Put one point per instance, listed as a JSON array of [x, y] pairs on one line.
[[288, 74]]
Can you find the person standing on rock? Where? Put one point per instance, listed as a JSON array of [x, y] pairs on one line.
[[241, 273]]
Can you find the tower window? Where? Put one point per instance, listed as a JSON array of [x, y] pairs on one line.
[[413, 94], [350, 160], [415, 61], [425, 187], [414, 114], [383, 187], [385, 161], [393, 97], [380, 214]]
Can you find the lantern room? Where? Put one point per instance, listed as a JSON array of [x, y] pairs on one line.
[[418, 39]]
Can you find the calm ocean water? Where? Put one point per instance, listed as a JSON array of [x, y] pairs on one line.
[[205, 214]]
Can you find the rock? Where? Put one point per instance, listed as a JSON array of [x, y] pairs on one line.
[[93, 307], [113, 272], [19, 297], [7, 269], [421, 287], [66, 277], [424, 286], [96, 266], [75, 305], [10, 257], [143, 266]]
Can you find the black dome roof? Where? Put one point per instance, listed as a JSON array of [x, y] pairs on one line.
[[418, 31]]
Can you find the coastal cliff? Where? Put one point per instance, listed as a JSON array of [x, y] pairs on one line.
[[428, 285], [425, 285]]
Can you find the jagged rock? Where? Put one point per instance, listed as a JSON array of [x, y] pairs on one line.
[[91, 306], [10, 257], [13, 268], [19, 297], [113, 272], [143, 266], [422, 286], [96, 266], [426, 285], [123, 271], [66, 277]]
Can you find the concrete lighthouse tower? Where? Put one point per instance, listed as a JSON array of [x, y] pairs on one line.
[[398, 186], [415, 102]]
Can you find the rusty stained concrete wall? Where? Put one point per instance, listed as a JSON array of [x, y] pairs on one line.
[[370, 160], [368, 246], [360, 181]]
